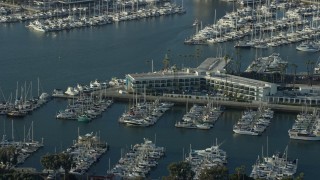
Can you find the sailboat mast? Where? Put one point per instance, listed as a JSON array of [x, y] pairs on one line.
[[183, 154], [38, 87], [215, 15], [17, 90], [32, 131], [145, 94], [267, 146], [4, 129], [21, 95], [12, 133], [152, 65], [109, 165], [25, 91], [24, 133], [31, 90]]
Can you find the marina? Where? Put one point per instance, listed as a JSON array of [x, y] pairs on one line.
[[253, 122], [85, 151], [206, 158], [19, 150], [200, 117], [138, 161], [306, 127], [80, 15], [262, 26], [24, 103], [144, 114], [85, 108], [278, 166]]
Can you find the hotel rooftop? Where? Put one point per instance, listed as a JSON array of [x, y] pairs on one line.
[[212, 66]]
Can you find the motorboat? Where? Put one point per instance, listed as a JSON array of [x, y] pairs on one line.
[[308, 47]]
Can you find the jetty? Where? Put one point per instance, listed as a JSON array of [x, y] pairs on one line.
[[138, 161], [200, 117], [144, 114], [18, 151], [85, 151]]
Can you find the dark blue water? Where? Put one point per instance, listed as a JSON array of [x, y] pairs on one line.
[[82, 55]]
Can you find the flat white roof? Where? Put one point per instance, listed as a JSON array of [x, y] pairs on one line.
[[213, 64], [163, 75], [240, 80], [209, 65]]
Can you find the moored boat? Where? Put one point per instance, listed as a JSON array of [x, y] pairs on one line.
[[308, 47], [83, 118]]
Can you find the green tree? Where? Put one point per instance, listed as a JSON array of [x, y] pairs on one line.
[[47, 161], [180, 171], [50, 161], [8, 155], [300, 176], [55, 161], [66, 162], [310, 68], [240, 174], [217, 172]]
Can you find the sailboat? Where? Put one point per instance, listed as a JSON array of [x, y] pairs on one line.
[[276, 166]]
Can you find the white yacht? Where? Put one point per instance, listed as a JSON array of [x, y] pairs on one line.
[[71, 91], [304, 135], [308, 47], [244, 44], [246, 131], [204, 126]]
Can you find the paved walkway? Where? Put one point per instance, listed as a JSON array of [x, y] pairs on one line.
[[229, 104]]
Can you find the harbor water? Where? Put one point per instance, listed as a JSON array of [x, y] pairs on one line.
[[62, 59]]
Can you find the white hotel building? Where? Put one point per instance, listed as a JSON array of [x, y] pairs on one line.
[[208, 76]]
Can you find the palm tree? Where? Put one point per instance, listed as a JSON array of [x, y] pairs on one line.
[[295, 73], [66, 162], [238, 62], [310, 66], [166, 62], [197, 55], [180, 170], [240, 171]]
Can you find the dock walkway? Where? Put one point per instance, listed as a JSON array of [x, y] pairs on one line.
[[116, 96]]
